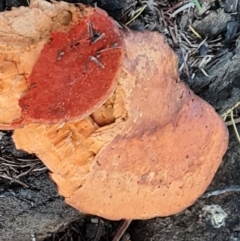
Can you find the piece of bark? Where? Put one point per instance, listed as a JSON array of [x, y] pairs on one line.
[[33, 213], [213, 24], [231, 6], [221, 87]]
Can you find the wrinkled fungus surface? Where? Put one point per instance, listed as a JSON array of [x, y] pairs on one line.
[[75, 73]]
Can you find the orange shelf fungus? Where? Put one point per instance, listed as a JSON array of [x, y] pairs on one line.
[[141, 145]]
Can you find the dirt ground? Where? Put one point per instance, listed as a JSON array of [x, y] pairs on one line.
[[210, 66]]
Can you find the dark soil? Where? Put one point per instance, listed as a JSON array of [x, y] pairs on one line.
[[31, 209]]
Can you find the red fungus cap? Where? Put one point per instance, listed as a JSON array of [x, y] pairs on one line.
[[75, 73], [28, 30], [62, 65]]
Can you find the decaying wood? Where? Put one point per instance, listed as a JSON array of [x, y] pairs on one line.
[[33, 213], [221, 87]]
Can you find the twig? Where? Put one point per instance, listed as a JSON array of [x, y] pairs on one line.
[[235, 127], [139, 11], [194, 32], [6, 160], [187, 40], [40, 169], [194, 52], [179, 10], [221, 191], [97, 62], [106, 49], [14, 180], [13, 169], [204, 72], [173, 35], [121, 230], [227, 112], [25, 173], [90, 30], [16, 165], [230, 123], [174, 7], [97, 38], [28, 160], [97, 233]]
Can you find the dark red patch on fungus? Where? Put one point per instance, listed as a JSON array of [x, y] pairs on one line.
[[75, 73]]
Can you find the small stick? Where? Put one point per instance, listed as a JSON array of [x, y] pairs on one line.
[[97, 236], [230, 123], [90, 30], [94, 36], [121, 230], [15, 165], [221, 191], [106, 49], [204, 72], [138, 13], [234, 126], [28, 160], [60, 54], [40, 169], [195, 32], [25, 173], [184, 7], [14, 180], [97, 62], [173, 35], [97, 38], [174, 7]]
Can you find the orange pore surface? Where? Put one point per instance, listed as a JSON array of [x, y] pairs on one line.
[[75, 72]]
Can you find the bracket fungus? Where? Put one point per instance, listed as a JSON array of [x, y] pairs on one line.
[[142, 146]]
